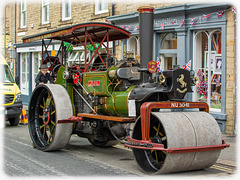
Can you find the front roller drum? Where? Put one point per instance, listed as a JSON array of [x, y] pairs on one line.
[[49, 104], [176, 130]]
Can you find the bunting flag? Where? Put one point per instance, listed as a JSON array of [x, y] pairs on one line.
[[158, 65], [220, 14], [234, 10], [136, 28], [193, 21], [187, 66], [181, 23], [162, 26], [206, 16]]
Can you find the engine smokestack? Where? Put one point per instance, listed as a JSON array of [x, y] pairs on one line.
[[146, 40]]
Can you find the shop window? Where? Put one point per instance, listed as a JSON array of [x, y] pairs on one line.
[[168, 50], [36, 63], [45, 11], [168, 41], [66, 10], [24, 68], [23, 13], [101, 6], [203, 63], [133, 47]]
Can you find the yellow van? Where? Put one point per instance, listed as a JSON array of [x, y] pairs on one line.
[[12, 94]]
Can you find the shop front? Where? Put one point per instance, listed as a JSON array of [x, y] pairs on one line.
[[183, 33]]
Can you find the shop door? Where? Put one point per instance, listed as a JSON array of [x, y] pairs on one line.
[[167, 61]]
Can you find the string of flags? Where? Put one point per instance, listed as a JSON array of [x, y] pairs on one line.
[[191, 21]]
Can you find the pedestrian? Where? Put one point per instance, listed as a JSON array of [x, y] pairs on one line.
[[43, 76]]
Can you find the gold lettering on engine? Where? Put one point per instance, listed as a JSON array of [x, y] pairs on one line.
[[183, 84]]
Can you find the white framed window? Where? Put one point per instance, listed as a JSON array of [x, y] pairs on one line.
[[36, 63], [23, 14], [133, 46], [66, 10], [24, 69], [207, 62], [45, 11], [101, 6]]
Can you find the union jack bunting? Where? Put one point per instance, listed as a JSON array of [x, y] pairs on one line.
[[206, 15], [187, 66], [234, 10], [220, 13], [158, 65], [181, 23], [162, 26], [193, 21]]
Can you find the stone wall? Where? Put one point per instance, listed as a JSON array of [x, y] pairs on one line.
[[231, 70]]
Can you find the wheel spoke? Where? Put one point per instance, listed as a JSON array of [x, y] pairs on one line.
[[50, 133], [156, 155], [42, 126], [157, 130], [53, 123], [53, 112], [44, 130], [164, 138]]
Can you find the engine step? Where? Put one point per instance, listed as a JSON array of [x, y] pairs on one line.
[[107, 118]]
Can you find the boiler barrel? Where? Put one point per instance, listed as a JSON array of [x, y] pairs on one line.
[[183, 129]]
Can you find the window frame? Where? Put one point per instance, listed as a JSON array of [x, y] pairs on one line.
[[101, 11], [23, 22], [209, 33], [43, 11], [64, 18]]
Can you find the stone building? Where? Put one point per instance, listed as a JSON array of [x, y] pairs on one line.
[[182, 32]]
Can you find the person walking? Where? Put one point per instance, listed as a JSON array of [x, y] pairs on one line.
[[43, 76]]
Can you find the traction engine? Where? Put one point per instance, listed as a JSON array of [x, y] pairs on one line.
[[101, 98]]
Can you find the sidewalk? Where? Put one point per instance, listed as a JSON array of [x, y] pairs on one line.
[[228, 156]]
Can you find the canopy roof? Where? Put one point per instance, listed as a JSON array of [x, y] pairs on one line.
[[78, 34]]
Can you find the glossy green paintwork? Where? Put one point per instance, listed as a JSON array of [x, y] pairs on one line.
[[116, 104], [103, 88], [60, 79], [69, 86]]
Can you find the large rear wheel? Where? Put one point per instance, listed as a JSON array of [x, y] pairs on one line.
[[49, 104]]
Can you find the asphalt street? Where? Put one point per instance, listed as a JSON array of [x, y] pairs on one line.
[[80, 158]]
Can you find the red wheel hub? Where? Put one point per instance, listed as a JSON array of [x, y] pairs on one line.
[[77, 78], [46, 120]]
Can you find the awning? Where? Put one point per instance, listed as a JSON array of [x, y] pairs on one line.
[[76, 34]]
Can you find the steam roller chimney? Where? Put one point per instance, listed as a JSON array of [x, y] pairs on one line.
[[146, 41]]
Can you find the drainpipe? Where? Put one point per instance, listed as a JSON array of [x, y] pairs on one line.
[[113, 48]]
